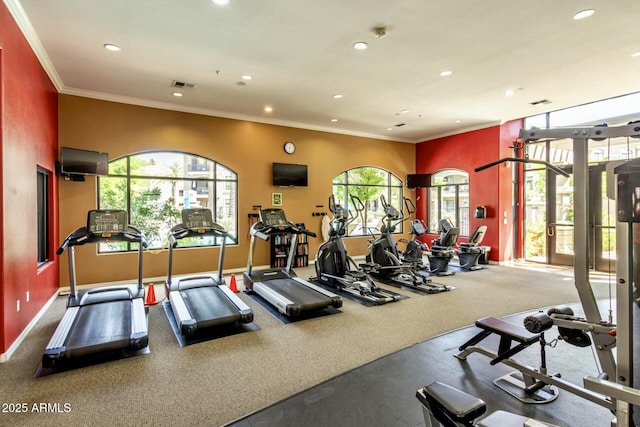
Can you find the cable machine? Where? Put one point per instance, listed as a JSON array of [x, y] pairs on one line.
[[619, 385]]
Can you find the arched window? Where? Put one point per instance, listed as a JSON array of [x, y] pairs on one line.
[[368, 184], [449, 198], [154, 187]]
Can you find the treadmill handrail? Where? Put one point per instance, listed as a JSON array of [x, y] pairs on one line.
[[180, 231], [263, 232], [82, 236]]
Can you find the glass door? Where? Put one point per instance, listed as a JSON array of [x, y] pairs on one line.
[[602, 221], [560, 219]]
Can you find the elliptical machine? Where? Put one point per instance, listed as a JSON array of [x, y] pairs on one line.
[[414, 248], [383, 251], [333, 263]]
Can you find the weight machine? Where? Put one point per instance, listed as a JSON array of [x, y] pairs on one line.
[[616, 385]]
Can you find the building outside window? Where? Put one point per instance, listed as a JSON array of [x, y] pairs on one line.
[[154, 188], [449, 199]]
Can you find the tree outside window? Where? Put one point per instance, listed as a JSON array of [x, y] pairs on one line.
[[154, 187], [368, 184]]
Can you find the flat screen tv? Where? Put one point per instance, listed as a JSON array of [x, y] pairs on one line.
[[74, 161], [419, 180], [289, 175]]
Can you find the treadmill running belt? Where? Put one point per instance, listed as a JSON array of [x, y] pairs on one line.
[[307, 298], [99, 327], [209, 306]]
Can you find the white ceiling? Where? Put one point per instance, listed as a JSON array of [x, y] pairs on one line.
[[299, 53]]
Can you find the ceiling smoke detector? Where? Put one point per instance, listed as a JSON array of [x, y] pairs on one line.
[[380, 32]]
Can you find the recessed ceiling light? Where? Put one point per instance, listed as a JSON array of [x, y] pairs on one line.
[[446, 73], [334, 120], [458, 121], [337, 96], [389, 128], [268, 109], [246, 77], [584, 14], [636, 54], [509, 92], [405, 111], [177, 94], [112, 47], [221, 2], [360, 45]]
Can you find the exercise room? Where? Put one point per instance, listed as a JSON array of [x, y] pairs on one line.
[[319, 213]]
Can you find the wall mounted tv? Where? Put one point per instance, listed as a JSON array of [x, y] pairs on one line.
[[74, 161], [289, 175], [419, 180]]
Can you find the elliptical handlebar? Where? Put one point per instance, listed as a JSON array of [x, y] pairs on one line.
[[357, 203], [410, 206], [392, 215]]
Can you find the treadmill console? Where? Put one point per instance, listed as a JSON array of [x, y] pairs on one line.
[[273, 217], [107, 222], [197, 218]]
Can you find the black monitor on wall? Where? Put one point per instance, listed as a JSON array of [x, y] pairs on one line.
[[289, 175], [74, 161], [419, 180]]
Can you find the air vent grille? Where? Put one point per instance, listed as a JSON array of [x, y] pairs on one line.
[[182, 85], [541, 102]]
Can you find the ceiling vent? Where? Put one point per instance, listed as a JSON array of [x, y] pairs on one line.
[[182, 85], [541, 102]]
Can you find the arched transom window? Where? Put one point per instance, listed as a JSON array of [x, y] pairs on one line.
[[154, 187], [368, 184]]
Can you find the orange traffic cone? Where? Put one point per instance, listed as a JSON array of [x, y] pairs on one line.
[[150, 298], [233, 286]]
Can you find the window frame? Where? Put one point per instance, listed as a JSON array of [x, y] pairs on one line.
[[212, 182], [461, 213], [43, 206], [391, 183]]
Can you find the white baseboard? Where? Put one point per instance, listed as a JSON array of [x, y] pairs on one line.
[[5, 356]]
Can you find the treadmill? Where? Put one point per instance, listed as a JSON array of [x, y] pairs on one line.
[[280, 287], [102, 320], [204, 301]]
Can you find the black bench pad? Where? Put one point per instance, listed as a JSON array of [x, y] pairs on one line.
[[453, 403], [504, 328]]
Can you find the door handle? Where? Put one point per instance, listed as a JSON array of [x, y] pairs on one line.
[[551, 230]]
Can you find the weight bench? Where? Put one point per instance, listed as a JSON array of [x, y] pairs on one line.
[[527, 384], [508, 332], [443, 405]]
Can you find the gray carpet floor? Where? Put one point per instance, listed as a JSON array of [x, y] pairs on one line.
[[215, 382]]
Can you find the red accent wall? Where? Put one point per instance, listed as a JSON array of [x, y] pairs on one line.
[[28, 139], [491, 188]]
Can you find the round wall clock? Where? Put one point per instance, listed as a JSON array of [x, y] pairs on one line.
[[289, 148]]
